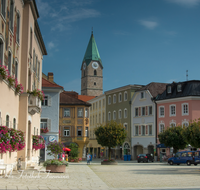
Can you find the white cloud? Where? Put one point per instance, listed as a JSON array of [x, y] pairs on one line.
[[148, 24], [187, 3], [50, 45]]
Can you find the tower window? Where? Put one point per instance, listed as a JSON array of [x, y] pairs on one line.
[[95, 73], [95, 83]]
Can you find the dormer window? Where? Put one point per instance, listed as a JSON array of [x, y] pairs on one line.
[[179, 88], [142, 95], [169, 89]]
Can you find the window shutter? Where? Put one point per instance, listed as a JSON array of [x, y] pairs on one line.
[[139, 130], [49, 124], [49, 100]]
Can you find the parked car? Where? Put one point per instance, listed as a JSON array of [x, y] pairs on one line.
[[185, 157], [145, 158]]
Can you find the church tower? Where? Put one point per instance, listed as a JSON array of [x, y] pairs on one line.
[[92, 71]]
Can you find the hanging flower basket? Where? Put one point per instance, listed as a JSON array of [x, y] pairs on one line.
[[38, 142], [38, 93], [44, 130]]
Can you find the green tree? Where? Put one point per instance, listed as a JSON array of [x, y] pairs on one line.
[[74, 150], [192, 134], [110, 135], [173, 137], [55, 148]]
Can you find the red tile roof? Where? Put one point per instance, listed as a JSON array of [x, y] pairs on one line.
[[46, 83], [85, 98]]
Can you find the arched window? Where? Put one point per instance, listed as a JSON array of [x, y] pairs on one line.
[[95, 72], [11, 14], [16, 69], [1, 52], [14, 123], [18, 26], [7, 120], [9, 62], [3, 8]]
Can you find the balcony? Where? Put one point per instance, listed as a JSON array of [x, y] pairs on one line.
[[34, 104]]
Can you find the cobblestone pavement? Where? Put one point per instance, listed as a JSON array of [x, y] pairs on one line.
[[126, 175]]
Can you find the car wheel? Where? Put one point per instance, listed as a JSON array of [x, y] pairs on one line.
[[143, 161], [152, 160], [171, 163], [195, 164], [188, 163], [138, 161]]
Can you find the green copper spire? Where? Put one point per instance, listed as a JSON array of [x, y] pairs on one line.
[[92, 53]]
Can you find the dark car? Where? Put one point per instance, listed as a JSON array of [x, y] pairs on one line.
[[145, 158]]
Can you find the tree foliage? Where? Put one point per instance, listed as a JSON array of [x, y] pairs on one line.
[[110, 135], [74, 150], [173, 137], [192, 134]]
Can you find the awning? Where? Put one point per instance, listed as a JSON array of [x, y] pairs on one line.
[[66, 149], [161, 146]]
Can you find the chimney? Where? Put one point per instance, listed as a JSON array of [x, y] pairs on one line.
[[50, 77]]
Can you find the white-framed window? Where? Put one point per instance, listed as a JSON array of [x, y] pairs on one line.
[[114, 98], [126, 126], [143, 111], [142, 95], [150, 130], [161, 111], [136, 130], [80, 112], [169, 89], [3, 8], [136, 112], [185, 109], [172, 124], [185, 124], [18, 27], [86, 132], [143, 130], [94, 106], [162, 127], [125, 96], [125, 113], [109, 100], [109, 116], [31, 38], [66, 112], [79, 131], [14, 123], [120, 114], [45, 101], [150, 110], [44, 123], [16, 69], [10, 63], [172, 109], [179, 88], [120, 97], [11, 15], [7, 121], [1, 51], [86, 112], [66, 132], [114, 115]]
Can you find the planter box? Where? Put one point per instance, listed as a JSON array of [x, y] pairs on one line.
[[109, 163], [56, 169]]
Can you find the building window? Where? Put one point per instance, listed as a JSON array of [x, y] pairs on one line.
[[109, 99], [94, 83], [185, 124], [103, 102], [95, 73], [185, 110], [100, 104], [18, 27], [125, 113], [99, 118], [80, 112], [43, 123], [109, 116], [94, 106], [33, 59], [120, 114], [143, 111], [179, 88], [162, 127], [86, 113], [150, 130], [66, 132], [30, 48], [142, 95], [161, 111], [143, 130], [39, 71], [11, 14], [114, 115], [120, 97], [66, 112], [86, 131], [3, 8], [172, 110], [1, 52], [45, 101], [79, 131], [169, 89], [150, 110], [114, 98], [16, 69], [9, 63], [126, 126], [14, 123], [136, 112], [125, 96], [136, 130], [7, 120], [172, 124]]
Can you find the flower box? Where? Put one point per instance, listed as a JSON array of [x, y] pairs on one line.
[[56, 169]]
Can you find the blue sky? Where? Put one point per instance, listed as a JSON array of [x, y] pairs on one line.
[[139, 41]]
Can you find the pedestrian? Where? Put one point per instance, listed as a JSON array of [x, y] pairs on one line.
[[88, 158], [63, 156]]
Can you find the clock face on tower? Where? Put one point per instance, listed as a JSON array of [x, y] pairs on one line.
[[95, 65], [84, 66]]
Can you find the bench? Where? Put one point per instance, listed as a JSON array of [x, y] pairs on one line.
[[6, 168]]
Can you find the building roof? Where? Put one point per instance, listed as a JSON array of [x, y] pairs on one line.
[[92, 53], [187, 88], [85, 98], [48, 84], [67, 99], [154, 88]]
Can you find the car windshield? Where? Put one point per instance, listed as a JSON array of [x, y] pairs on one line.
[[142, 154]]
